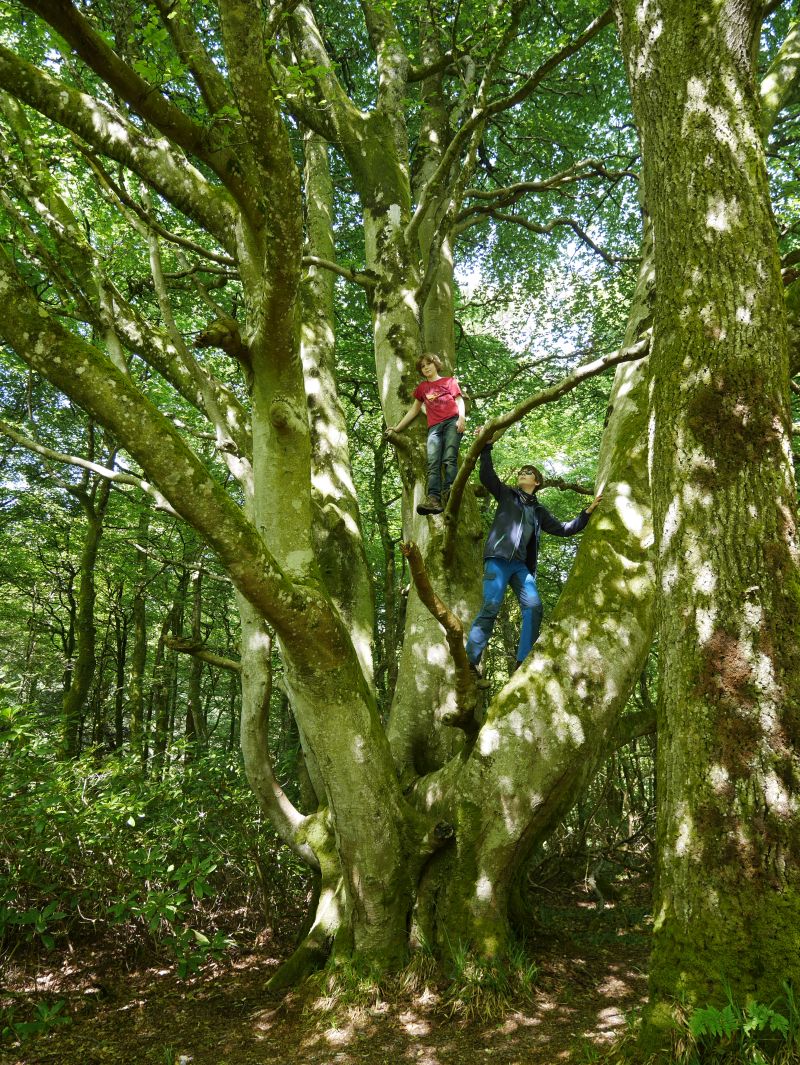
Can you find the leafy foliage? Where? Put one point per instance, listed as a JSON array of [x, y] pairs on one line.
[[96, 848]]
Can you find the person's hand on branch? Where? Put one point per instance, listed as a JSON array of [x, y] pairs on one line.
[[594, 503]]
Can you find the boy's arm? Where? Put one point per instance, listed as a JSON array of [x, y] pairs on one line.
[[489, 478], [407, 418], [462, 416], [550, 523]]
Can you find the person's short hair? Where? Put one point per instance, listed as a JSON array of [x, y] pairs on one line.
[[531, 469], [429, 356]]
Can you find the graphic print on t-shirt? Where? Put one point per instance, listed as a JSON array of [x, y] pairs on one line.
[[439, 398]]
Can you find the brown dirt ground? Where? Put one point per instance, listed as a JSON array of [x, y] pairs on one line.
[[592, 974]]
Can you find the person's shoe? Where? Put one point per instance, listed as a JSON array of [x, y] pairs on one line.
[[477, 675], [430, 505]]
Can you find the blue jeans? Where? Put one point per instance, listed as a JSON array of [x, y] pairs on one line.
[[497, 575], [443, 442]]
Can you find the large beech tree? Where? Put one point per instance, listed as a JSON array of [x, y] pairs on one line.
[[727, 905], [421, 825]]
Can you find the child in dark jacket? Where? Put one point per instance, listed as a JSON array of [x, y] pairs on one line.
[[510, 554], [444, 407]]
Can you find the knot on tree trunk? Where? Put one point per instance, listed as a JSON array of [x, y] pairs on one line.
[[224, 333], [283, 415]]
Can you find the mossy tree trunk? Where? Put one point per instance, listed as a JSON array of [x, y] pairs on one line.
[[727, 907]]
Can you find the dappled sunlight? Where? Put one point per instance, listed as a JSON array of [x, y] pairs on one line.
[[484, 890], [436, 654], [778, 798], [258, 640], [719, 777], [723, 215], [727, 124], [705, 622], [567, 727], [686, 833], [359, 750], [642, 59], [488, 740]]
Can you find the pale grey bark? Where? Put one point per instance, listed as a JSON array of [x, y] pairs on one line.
[[725, 517]]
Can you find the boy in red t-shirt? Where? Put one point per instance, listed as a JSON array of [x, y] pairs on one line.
[[444, 407]]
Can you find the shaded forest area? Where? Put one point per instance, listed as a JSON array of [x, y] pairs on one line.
[[255, 805]]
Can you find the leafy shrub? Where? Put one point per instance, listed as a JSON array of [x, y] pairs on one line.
[[94, 844], [756, 1033]]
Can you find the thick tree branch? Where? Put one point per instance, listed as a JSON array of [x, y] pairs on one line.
[[496, 426], [245, 53], [333, 114], [193, 54], [144, 98], [115, 137], [91, 380]]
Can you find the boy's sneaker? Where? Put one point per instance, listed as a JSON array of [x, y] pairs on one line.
[[430, 505]]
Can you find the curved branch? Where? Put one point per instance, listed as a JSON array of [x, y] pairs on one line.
[[498, 425], [465, 688], [462, 136], [81, 371], [533, 227]]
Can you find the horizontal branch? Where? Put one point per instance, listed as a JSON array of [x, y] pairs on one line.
[[580, 171], [534, 227], [199, 650], [358, 277], [85, 464], [496, 426]]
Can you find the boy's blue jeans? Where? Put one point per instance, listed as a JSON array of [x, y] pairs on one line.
[[443, 442], [498, 573]]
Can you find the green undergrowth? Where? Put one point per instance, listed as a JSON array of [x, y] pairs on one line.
[[96, 849], [752, 1034], [472, 989], [484, 989]]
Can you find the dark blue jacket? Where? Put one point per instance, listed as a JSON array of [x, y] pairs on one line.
[[506, 531]]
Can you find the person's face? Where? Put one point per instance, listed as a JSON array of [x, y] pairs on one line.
[[429, 371], [527, 482]]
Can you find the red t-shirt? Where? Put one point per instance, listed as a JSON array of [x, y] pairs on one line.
[[439, 398]]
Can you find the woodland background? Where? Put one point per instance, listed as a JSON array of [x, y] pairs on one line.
[[246, 282]]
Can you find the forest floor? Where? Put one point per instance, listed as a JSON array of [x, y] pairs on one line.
[[592, 978]]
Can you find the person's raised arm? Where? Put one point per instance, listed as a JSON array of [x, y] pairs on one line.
[[407, 418], [488, 476]]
